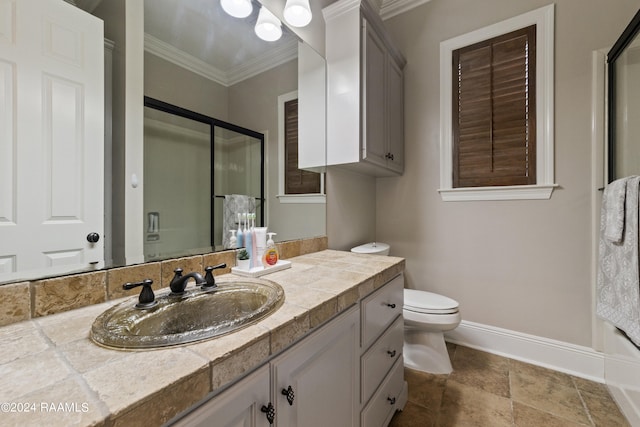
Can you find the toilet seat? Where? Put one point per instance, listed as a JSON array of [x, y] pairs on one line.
[[428, 302]]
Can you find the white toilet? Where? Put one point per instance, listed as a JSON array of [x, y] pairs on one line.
[[427, 316]]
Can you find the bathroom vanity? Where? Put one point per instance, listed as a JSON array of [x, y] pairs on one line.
[[348, 372], [336, 341]]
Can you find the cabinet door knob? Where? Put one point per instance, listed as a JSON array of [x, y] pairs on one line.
[[391, 353], [270, 412], [391, 305], [392, 400], [289, 393]]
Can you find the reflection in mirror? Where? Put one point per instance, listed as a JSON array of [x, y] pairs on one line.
[[183, 215], [237, 79], [178, 68], [624, 103]]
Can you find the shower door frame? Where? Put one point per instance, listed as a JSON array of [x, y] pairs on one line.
[[213, 122]]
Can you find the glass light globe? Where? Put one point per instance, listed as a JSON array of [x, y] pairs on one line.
[[297, 13], [268, 27], [237, 8]]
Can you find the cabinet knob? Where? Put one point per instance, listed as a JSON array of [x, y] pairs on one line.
[[270, 412], [392, 400], [391, 353], [289, 393], [391, 305]]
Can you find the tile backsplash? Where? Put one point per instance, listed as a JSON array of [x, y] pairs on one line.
[[31, 299]]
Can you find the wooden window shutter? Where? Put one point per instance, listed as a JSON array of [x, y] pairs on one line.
[[296, 181], [494, 123]]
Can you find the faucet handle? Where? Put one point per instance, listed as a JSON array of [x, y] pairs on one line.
[[208, 277], [147, 298], [177, 275]]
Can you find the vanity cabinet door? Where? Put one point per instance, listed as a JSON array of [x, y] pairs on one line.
[[316, 382], [239, 406]]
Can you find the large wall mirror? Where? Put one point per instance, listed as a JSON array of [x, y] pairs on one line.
[[199, 58], [624, 103]]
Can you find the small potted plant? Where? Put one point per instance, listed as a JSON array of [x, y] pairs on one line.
[[243, 259]]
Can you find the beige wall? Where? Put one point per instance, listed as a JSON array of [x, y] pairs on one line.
[[253, 103], [351, 209], [168, 82], [519, 265]]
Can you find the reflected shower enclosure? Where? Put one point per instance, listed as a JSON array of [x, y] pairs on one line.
[[191, 162]]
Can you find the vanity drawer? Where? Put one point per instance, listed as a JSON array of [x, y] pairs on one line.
[[380, 309], [384, 403], [378, 360]]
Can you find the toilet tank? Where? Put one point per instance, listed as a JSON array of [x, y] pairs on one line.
[[373, 248]]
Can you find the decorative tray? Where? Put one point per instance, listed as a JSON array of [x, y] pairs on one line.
[[261, 271]]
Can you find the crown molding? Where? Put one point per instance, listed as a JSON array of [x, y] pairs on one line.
[[261, 63], [391, 8]]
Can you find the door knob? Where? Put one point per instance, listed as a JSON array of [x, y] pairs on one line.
[[93, 237]]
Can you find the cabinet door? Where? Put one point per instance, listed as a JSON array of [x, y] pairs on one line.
[[239, 406], [395, 117], [323, 373], [374, 148]]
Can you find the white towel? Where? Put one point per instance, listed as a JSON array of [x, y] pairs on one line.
[[232, 206], [615, 194], [618, 281]]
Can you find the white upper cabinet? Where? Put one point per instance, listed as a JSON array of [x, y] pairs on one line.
[[365, 117]]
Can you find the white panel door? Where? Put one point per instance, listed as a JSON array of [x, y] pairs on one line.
[[51, 138]]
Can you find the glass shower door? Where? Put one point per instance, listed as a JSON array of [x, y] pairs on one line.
[[237, 170], [192, 162], [177, 185]]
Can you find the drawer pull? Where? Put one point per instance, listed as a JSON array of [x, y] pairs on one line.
[[391, 353], [270, 412], [391, 305], [289, 393], [392, 400]]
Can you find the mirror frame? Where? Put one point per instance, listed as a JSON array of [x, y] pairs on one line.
[[616, 51]]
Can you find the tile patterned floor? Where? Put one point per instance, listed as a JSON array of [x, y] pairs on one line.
[[486, 390]]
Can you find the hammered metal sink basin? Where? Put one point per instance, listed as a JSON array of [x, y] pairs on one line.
[[197, 315]]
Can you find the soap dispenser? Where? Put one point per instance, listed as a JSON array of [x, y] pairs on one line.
[[270, 257]]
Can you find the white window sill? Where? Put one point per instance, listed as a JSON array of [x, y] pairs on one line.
[[302, 198], [516, 192]]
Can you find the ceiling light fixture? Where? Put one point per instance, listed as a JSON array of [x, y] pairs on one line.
[[297, 13], [237, 8], [268, 27]]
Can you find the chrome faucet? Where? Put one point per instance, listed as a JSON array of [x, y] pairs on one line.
[[179, 282]]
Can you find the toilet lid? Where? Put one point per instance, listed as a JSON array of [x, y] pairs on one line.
[[428, 302]]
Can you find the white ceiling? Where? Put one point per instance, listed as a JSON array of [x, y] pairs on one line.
[[200, 29], [199, 35]]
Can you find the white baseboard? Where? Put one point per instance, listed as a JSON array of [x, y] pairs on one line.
[[572, 359]]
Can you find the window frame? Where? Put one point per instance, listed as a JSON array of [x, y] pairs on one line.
[[543, 18], [316, 198]]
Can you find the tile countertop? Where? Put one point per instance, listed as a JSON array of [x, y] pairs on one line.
[[52, 374]]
